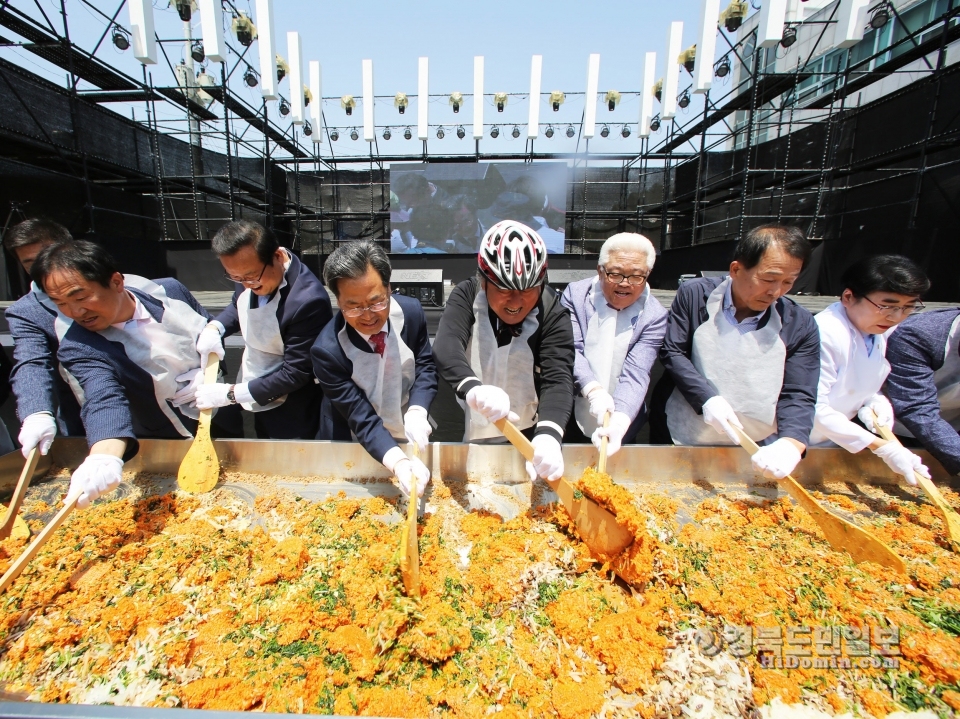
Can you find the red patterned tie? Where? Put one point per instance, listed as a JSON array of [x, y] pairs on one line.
[[379, 342]]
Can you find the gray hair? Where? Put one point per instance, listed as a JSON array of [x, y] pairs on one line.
[[628, 242], [351, 260]]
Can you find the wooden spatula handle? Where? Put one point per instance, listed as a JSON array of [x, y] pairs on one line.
[[36, 545], [19, 493], [604, 441], [517, 438]]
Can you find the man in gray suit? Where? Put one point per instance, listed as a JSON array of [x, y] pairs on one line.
[[618, 327]]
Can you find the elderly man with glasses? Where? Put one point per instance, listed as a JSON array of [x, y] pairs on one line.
[[375, 364], [279, 307], [618, 327]]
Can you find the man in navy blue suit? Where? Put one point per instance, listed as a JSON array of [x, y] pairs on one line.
[[375, 364], [279, 307]]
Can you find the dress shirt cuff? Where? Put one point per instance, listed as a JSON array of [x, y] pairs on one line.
[[393, 457], [218, 326], [241, 392], [589, 387]]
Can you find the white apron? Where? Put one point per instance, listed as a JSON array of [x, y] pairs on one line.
[[71, 381], [605, 345], [947, 381], [165, 349], [745, 369], [389, 398], [263, 353], [510, 367]]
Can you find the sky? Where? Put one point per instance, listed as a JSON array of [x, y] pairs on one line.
[[340, 35]]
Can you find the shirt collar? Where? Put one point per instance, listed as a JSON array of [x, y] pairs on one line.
[[728, 305], [140, 313]]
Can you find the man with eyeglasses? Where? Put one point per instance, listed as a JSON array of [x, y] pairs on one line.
[[618, 327], [375, 364], [279, 307], [738, 353]]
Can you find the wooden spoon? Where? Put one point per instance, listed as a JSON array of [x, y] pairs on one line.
[[842, 535], [200, 468], [19, 492], [951, 519], [31, 551], [599, 528], [409, 547], [602, 460]]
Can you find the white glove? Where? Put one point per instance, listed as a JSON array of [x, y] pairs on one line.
[[38, 430], [407, 470], [210, 341], [619, 424], [416, 426], [718, 413], [777, 459], [492, 402], [212, 395], [187, 394], [880, 406], [99, 474], [902, 461], [547, 458], [600, 400]]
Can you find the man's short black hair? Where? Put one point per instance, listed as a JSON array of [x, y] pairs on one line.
[[885, 273], [351, 260], [30, 232], [87, 259], [234, 236], [410, 183], [750, 249]]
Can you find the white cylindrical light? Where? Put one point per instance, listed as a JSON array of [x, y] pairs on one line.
[[672, 78], [706, 45], [423, 98], [316, 105], [211, 26], [590, 109], [770, 25], [533, 120], [478, 97], [851, 20], [646, 98], [368, 129], [266, 42], [141, 27], [295, 58]]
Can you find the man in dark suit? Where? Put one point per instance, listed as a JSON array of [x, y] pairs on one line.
[[375, 364], [279, 307]]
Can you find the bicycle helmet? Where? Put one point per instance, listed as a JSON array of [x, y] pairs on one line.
[[512, 256]]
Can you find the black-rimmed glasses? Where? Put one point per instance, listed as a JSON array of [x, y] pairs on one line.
[[618, 278], [894, 310], [243, 281]]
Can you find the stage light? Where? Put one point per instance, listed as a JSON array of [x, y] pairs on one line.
[[722, 68], [250, 77], [688, 58], [400, 102], [570, 131], [196, 51], [625, 132], [501, 99], [655, 124], [605, 132], [658, 90], [120, 38], [789, 37], [387, 134], [556, 99], [284, 107], [549, 132], [516, 132], [880, 16], [244, 29], [440, 133], [348, 103], [282, 68], [456, 99], [307, 128], [407, 134], [494, 132], [334, 136], [184, 9], [733, 16], [684, 99], [461, 133], [612, 99], [354, 134]]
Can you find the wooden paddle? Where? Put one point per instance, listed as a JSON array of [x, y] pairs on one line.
[[602, 460], [599, 528], [842, 535], [31, 551], [200, 468], [409, 546], [951, 520], [19, 492]]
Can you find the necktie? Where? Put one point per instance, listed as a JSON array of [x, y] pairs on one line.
[[379, 342]]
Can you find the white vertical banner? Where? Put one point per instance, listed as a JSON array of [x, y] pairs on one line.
[[706, 45], [646, 96], [851, 20], [590, 108], [668, 102], [316, 105], [295, 58], [533, 121], [368, 100], [211, 26], [267, 44], [478, 97], [423, 98], [770, 26], [144, 36]]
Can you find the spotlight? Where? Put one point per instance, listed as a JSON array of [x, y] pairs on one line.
[[456, 99], [400, 102], [570, 131], [334, 136], [556, 99], [789, 37], [461, 133], [407, 134], [501, 99], [494, 132], [120, 38], [732, 18], [354, 134], [612, 99], [250, 77], [880, 16], [658, 90], [684, 99], [281, 69], [722, 68], [196, 51], [284, 107], [625, 132], [244, 29], [440, 133], [387, 134], [348, 103], [307, 128], [516, 132], [549, 131], [184, 9], [605, 132], [655, 124]]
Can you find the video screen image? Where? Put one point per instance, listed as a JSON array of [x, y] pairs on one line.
[[446, 208]]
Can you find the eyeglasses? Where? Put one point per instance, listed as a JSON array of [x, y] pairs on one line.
[[894, 310], [357, 311], [617, 278], [244, 281]]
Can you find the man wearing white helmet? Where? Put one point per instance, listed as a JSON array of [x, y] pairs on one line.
[[505, 345]]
